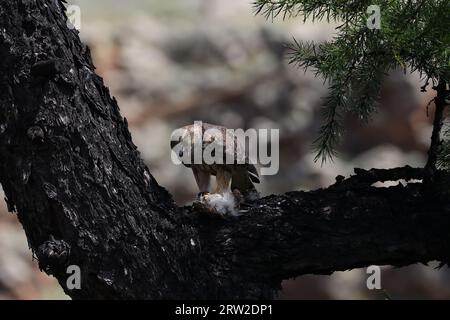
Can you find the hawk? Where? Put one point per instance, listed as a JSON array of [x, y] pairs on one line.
[[238, 174]]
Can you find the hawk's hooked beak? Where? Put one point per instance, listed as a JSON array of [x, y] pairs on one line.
[[173, 143]]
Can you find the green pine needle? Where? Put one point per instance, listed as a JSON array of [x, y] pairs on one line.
[[414, 36]]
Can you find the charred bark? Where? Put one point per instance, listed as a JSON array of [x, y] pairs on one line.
[[84, 197]]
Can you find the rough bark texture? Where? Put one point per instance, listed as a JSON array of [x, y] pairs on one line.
[[438, 122], [71, 172]]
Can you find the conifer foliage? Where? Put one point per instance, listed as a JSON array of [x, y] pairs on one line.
[[413, 35]]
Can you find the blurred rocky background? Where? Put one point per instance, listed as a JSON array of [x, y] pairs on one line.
[[169, 63]]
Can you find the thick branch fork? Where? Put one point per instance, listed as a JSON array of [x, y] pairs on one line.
[[84, 197]]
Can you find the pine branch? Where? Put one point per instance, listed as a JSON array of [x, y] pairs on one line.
[[311, 9], [437, 126], [414, 35]]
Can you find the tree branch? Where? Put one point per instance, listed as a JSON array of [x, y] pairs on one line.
[[438, 121], [70, 170], [83, 195], [333, 229]]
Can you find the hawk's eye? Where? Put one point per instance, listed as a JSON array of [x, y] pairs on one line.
[[180, 154]]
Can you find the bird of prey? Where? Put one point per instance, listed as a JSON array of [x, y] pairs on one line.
[[237, 174]]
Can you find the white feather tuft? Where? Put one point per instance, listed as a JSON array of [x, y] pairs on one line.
[[224, 204]]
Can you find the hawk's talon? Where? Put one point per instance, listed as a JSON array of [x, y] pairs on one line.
[[202, 194], [204, 209]]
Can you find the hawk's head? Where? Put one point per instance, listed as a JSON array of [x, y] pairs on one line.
[[183, 142]]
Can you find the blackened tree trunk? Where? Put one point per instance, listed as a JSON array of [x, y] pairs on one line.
[[84, 197]]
